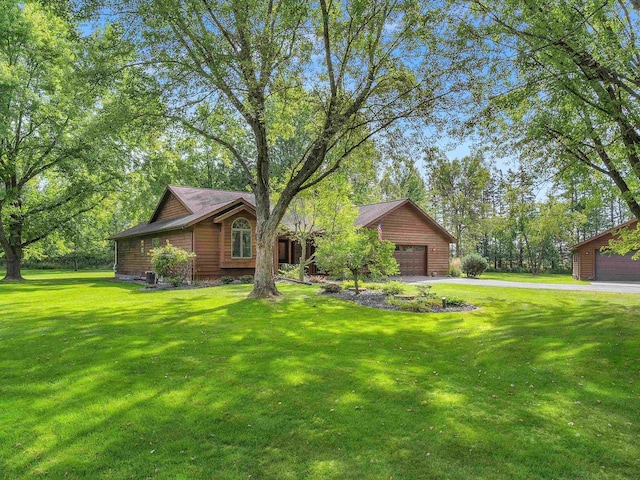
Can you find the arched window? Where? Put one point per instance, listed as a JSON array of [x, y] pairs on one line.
[[241, 238]]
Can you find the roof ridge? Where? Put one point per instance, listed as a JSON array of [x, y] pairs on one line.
[[605, 232], [386, 201], [211, 189]]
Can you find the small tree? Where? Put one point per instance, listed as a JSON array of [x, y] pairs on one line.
[[324, 210], [172, 263], [474, 265], [356, 252]]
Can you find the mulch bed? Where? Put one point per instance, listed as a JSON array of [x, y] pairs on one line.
[[377, 299]]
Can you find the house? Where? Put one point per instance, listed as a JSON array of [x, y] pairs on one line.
[[219, 227], [589, 263]]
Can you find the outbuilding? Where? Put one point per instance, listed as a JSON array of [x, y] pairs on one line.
[[590, 263]]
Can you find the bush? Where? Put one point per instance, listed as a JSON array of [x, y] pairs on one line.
[[287, 270], [351, 284], [455, 302], [331, 288], [419, 305], [246, 278], [424, 291], [425, 304], [227, 280], [317, 279], [474, 265], [173, 264], [377, 278], [393, 288], [455, 267]]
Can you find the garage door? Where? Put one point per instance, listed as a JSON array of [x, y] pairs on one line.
[[412, 259], [617, 267]]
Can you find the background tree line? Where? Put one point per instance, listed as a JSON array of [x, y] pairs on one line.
[[104, 103]]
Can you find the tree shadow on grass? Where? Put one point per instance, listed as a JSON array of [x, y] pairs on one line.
[[200, 382]]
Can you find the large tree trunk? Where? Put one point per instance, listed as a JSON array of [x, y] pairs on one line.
[[11, 240], [14, 264], [264, 284]]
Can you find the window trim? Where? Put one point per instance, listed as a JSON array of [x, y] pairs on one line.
[[241, 231]]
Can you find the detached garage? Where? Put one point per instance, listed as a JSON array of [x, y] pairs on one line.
[[589, 263]]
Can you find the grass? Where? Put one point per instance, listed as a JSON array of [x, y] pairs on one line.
[[528, 277], [101, 380]]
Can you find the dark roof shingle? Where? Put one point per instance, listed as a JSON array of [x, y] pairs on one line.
[[203, 201], [373, 211], [197, 199]]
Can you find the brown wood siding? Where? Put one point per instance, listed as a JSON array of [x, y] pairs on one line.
[[585, 266], [227, 262], [406, 226], [207, 247], [132, 262], [171, 208]]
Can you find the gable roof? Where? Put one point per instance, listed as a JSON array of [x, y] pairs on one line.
[[196, 199], [203, 203], [200, 199], [374, 212], [606, 232], [370, 213]]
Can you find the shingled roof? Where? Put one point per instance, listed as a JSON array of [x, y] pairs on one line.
[[201, 202], [372, 212], [206, 202], [196, 199], [369, 214], [630, 223]]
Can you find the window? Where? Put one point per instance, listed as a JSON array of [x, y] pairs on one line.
[[410, 248], [241, 238], [141, 247], [155, 242]]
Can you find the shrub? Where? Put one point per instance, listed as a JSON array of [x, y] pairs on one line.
[[474, 265], [287, 270], [172, 263], [419, 305], [424, 291], [331, 288], [455, 267], [351, 284], [317, 279], [455, 302], [377, 278], [393, 288], [227, 280], [246, 278]]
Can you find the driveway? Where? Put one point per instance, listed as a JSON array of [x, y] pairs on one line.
[[614, 287]]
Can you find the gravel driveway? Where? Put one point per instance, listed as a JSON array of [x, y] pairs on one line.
[[614, 287]]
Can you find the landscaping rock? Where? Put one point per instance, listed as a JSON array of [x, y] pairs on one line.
[[377, 299]]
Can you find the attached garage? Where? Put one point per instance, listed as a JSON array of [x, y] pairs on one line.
[[589, 263], [422, 245], [412, 259]]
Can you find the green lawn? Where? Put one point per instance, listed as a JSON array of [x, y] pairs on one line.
[[99, 380], [528, 277]]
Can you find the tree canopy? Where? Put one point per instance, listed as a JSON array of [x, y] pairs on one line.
[[65, 104]]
